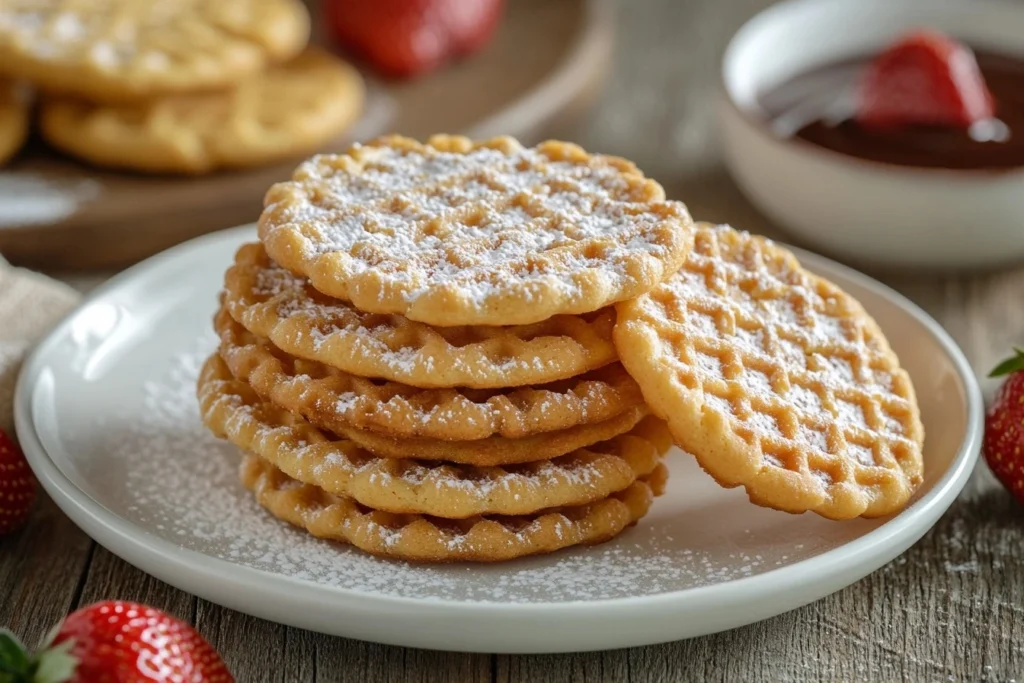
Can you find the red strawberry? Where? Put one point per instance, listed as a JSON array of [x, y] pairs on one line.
[[17, 487], [1004, 427], [924, 79], [116, 642], [408, 37]]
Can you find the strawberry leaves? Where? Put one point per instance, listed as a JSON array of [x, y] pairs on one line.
[[1012, 364]]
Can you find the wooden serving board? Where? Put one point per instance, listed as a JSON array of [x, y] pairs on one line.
[[545, 64]]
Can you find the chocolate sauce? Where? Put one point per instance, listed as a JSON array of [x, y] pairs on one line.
[[818, 107]]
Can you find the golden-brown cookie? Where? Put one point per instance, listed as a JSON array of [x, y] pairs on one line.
[[272, 303], [13, 120], [497, 450], [289, 111], [455, 232], [231, 409], [422, 538], [333, 399], [776, 380], [118, 50]]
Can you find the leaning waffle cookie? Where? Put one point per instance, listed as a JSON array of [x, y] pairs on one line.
[[288, 111], [13, 120], [497, 450], [775, 379], [333, 399], [231, 409], [116, 50], [422, 538], [273, 304], [455, 232]]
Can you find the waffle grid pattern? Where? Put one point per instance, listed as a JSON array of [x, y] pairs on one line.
[[453, 232], [775, 379]]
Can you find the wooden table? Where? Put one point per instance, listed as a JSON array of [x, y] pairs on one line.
[[950, 609]]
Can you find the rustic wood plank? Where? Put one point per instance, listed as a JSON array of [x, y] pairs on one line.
[[40, 571], [108, 577], [576, 668], [258, 650], [253, 649], [346, 661], [301, 655]]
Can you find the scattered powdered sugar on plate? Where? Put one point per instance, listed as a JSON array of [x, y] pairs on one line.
[[181, 483], [30, 199]]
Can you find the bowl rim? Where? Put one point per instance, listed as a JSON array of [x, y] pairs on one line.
[[754, 119]]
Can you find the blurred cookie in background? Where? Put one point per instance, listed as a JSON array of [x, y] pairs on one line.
[[118, 50], [290, 110]]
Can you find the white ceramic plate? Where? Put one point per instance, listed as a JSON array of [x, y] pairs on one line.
[[107, 416]]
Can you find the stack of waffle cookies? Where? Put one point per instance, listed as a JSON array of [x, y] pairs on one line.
[[171, 86], [495, 423], [478, 351]]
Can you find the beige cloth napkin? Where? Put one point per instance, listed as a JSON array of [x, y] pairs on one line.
[[30, 304]]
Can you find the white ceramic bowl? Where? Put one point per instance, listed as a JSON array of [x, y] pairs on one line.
[[870, 212]]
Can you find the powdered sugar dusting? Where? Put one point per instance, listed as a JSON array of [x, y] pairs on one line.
[[182, 484], [406, 350], [481, 222]]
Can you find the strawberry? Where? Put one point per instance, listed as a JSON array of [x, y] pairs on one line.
[[925, 79], [403, 38], [116, 642], [1004, 427], [17, 487]]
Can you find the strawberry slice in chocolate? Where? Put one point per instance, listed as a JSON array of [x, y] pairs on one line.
[[925, 79], [927, 101]]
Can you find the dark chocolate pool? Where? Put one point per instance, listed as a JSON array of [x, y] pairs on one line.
[[818, 107]]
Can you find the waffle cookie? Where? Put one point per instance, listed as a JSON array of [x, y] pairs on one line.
[[497, 450], [231, 409], [776, 380], [334, 400], [272, 303], [289, 110], [13, 120], [455, 232], [118, 50], [423, 538]]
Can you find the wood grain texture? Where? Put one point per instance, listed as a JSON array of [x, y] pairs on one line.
[[950, 609]]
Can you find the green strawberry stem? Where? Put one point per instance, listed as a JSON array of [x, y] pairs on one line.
[[53, 665], [14, 661], [1011, 365]]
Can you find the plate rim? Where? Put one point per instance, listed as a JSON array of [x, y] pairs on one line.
[[214, 578]]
